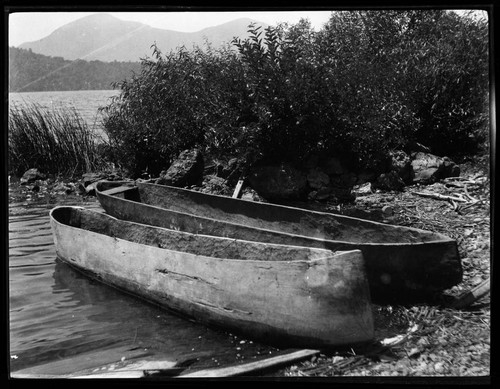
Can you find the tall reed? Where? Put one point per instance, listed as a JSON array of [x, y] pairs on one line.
[[56, 141]]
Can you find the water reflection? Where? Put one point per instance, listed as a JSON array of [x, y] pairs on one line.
[[56, 312]]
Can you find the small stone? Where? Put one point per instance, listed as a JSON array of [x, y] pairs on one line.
[[439, 367], [388, 210]]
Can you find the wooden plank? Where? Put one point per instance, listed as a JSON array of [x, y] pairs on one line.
[[252, 367], [472, 296], [237, 189], [121, 369], [86, 361], [118, 189]]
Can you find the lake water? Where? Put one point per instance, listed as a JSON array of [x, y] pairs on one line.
[[55, 313], [86, 103]]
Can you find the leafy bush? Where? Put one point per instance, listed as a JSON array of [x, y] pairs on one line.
[[179, 100], [57, 141], [410, 75], [291, 102], [367, 83]]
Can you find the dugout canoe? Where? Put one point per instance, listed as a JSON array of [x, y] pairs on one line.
[[398, 259], [294, 295]]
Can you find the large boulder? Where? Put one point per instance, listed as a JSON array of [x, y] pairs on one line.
[[281, 182], [390, 181], [31, 175], [428, 168], [186, 170], [401, 164], [362, 189]]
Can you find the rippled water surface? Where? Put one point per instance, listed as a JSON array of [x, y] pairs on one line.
[[56, 313]]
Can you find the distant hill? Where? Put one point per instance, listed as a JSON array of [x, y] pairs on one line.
[[30, 72], [106, 38]]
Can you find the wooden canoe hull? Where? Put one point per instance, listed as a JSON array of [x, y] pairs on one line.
[[398, 259], [319, 300]]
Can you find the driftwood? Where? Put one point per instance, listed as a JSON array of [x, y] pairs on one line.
[[472, 296], [252, 367], [237, 190], [119, 362], [439, 196]]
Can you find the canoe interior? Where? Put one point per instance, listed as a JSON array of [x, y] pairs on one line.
[[210, 246], [397, 258], [281, 218]]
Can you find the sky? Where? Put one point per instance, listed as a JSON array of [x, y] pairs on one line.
[[31, 26]]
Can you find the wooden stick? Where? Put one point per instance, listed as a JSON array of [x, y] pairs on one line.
[[118, 189], [472, 296], [439, 196], [252, 367], [237, 190]]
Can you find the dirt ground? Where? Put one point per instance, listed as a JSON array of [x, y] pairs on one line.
[[433, 338]]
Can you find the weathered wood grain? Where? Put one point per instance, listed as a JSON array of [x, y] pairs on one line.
[[297, 295], [251, 368], [398, 259]]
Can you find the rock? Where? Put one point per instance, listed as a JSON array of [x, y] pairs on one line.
[[342, 194], [321, 194], [401, 164], [317, 178], [450, 168], [60, 187], [281, 182], [81, 189], [90, 178], [186, 170], [215, 185], [90, 189], [428, 168], [31, 175], [387, 210], [390, 181], [362, 190], [324, 193], [312, 195], [251, 195]]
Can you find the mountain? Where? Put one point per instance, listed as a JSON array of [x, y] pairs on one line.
[[106, 38], [29, 72]]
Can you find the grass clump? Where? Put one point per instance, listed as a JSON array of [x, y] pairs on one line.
[[57, 141]]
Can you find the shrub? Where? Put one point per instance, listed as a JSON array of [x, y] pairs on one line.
[[292, 105], [410, 75], [57, 141], [366, 84], [179, 100]]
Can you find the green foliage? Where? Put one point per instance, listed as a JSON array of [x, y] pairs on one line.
[[367, 83], [57, 142], [30, 72]]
